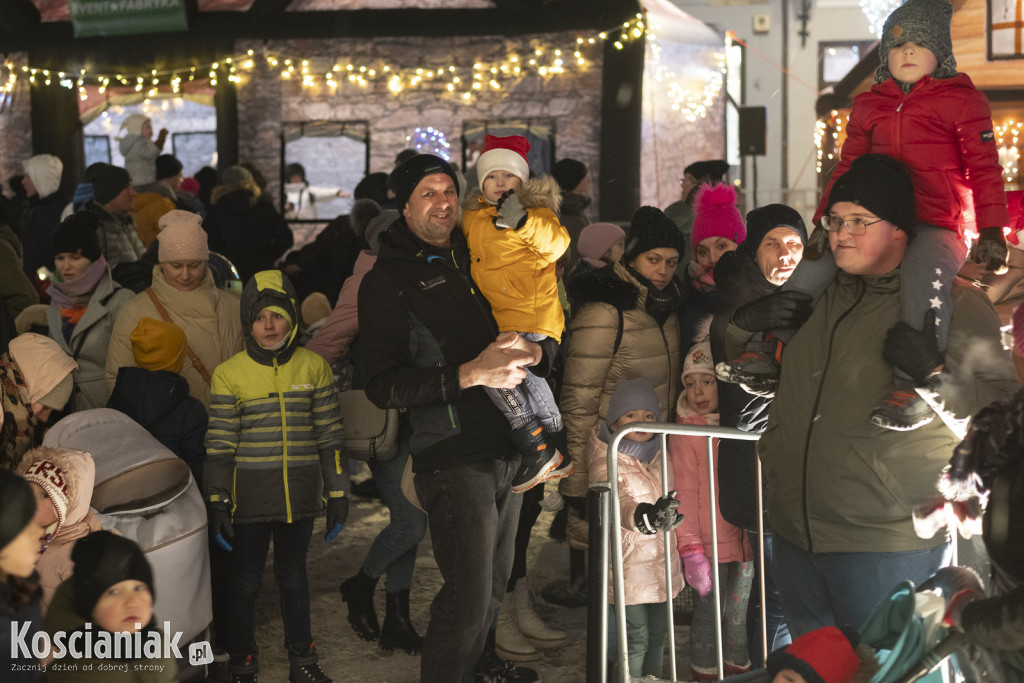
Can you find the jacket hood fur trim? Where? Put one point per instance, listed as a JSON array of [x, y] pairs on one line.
[[604, 286], [536, 193]]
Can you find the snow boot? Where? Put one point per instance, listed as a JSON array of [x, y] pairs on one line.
[[358, 593], [243, 669], [531, 625], [902, 410], [509, 640], [560, 440], [305, 668], [491, 668], [539, 457], [398, 631]]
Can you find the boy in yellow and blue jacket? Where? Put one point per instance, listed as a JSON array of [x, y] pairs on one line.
[[515, 239], [273, 455]]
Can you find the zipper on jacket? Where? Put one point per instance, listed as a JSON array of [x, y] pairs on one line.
[[284, 445], [814, 412]]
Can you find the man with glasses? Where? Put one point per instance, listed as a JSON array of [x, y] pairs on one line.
[[840, 489]]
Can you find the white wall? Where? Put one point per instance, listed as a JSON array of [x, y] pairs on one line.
[[831, 20]]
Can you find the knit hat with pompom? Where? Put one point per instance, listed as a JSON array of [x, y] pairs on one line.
[[716, 215]]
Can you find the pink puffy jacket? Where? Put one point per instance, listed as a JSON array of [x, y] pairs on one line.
[[643, 556]]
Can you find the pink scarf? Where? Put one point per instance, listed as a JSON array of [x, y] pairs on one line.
[[76, 292]]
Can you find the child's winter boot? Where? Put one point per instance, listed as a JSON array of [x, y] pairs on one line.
[[539, 456]]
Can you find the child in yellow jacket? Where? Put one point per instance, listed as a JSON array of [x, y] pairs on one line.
[[515, 239]]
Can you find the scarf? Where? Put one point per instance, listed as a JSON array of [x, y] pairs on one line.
[[702, 277], [644, 451], [659, 302], [76, 292]]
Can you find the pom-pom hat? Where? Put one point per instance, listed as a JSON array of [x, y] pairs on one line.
[[716, 215]]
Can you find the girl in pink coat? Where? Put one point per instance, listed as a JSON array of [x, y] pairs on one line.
[[698, 405], [644, 513]]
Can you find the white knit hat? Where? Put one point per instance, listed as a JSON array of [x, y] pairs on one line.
[[698, 359], [504, 154], [182, 238]]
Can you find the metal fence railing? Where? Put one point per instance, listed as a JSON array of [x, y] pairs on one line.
[[605, 525]]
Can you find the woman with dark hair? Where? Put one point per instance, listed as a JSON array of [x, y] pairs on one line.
[[20, 541]]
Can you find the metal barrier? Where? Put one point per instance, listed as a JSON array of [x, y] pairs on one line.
[[605, 525]]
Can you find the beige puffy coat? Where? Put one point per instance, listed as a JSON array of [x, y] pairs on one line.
[[208, 315], [643, 556], [593, 366]]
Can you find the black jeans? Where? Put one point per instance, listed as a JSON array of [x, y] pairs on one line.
[[291, 544], [472, 514]]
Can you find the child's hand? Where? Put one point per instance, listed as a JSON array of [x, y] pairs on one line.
[[660, 516], [698, 572], [511, 213], [990, 250], [337, 513]]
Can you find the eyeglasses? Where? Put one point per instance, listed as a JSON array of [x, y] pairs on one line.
[[854, 226]]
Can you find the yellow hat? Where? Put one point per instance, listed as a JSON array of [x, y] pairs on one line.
[[158, 345]]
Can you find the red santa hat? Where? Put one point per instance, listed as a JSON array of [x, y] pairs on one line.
[[504, 154]]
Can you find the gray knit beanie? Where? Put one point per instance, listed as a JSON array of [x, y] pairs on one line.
[[926, 23], [632, 394]]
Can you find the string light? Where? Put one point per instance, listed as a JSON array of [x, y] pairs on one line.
[[540, 59], [430, 141]]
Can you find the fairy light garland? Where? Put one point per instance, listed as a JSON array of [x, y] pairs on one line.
[[542, 60], [836, 123], [430, 140]]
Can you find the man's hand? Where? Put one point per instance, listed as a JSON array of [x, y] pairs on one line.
[[521, 344], [914, 352], [776, 310], [499, 366]]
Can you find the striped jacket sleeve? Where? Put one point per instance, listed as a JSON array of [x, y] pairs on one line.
[[327, 428], [222, 436]]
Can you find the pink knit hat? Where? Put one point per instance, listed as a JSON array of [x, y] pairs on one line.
[[716, 215], [596, 239], [504, 154], [182, 237]]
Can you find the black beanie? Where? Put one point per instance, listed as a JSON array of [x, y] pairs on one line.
[[407, 176], [108, 182], [167, 166], [712, 169], [881, 185], [103, 559], [17, 506], [374, 186], [650, 229], [763, 219], [569, 173], [77, 235]]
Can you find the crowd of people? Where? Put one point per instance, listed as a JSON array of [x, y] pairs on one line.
[[517, 340]]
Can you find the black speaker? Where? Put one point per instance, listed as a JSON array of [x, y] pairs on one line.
[[752, 130]]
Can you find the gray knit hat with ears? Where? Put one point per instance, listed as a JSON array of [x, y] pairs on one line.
[[926, 23]]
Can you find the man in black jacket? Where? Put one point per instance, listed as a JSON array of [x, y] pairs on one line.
[[428, 344], [749, 279]]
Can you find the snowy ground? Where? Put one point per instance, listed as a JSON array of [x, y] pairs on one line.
[[345, 657]]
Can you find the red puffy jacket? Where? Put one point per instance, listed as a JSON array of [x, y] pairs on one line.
[[942, 132]]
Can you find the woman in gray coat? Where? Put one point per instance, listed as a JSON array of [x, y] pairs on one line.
[[84, 304]]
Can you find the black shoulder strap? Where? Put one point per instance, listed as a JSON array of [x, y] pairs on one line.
[[618, 332]]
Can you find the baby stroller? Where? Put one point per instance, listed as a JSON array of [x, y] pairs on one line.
[[147, 493]]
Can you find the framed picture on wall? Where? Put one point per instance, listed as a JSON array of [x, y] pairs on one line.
[[540, 134], [322, 162]]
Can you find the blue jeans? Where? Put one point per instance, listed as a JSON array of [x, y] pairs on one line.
[[291, 544], [778, 632], [394, 550], [840, 589], [473, 516], [532, 398]]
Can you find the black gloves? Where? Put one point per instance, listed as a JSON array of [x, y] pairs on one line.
[[773, 311], [511, 213], [337, 513], [218, 517], [914, 352], [650, 518], [990, 250]]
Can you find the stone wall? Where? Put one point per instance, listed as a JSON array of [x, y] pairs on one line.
[[571, 101], [15, 124]]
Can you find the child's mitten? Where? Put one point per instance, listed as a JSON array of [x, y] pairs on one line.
[[990, 250], [650, 518], [218, 517], [511, 213], [337, 513], [698, 571]]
